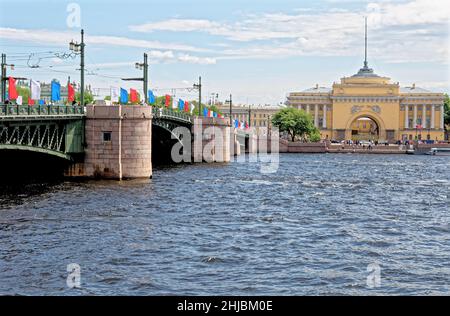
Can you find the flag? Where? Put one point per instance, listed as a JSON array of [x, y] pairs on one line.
[[41, 102], [35, 88], [12, 92], [19, 100], [114, 94], [123, 96], [209, 113], [174, 104], [56, 91], [205, 112], [192, 108], [180, 105], [167, 103], [70, 93], [133, 95], [151, 97], [236, 124], [30, 101], [219, 115], [186, 106], [214, 114]]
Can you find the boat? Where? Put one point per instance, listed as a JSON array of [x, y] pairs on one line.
[[439, 152]]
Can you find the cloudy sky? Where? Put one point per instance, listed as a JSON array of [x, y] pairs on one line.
[[258, 50]]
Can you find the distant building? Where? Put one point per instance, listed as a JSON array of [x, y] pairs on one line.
[[260, 115], [366, 106]]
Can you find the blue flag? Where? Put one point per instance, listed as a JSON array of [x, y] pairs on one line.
[[205, 112], [180, 104], [151, 97], [214, 114], [236, 124], [56, 91], [123, 96], [41, 102]]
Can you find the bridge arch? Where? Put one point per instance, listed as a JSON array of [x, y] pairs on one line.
[[46, 151]]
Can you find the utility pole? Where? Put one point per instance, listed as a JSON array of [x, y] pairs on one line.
[[231, 109], [82, 69], [144, 79], [79, 49], [3, 83], [249, 115], [199, 87]]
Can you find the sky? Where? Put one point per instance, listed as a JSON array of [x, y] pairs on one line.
[[256, 50]]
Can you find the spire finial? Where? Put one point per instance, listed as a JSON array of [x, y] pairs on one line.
[[365, 55]]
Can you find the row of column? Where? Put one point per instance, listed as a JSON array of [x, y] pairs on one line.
[[316, 115], [424, 116]]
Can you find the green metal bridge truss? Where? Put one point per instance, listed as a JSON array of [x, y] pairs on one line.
[[170, 120], [51, 129]]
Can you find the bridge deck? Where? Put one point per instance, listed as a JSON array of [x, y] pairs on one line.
[[15, 112]]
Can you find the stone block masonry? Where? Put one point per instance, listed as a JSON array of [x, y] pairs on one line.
[[118, 143]]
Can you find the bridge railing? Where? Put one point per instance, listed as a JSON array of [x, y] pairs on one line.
[[167, 112], [37, 110]]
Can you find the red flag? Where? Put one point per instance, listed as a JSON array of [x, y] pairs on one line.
[[70, 93], [30, 101], [167, 100], [12, 92], [186, 106], [133, 95]]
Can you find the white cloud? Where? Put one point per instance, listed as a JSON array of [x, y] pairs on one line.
[[407, 31], [63, 38], [196, 60]]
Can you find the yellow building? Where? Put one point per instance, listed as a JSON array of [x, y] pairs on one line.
[[392, 113]]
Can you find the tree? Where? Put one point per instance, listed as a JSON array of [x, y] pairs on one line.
[[88, 97], [296, 123]]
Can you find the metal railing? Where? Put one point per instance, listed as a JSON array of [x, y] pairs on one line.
[[171, 114], [38, 110]]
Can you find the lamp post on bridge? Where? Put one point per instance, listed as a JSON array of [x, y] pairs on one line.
[[79, 49], [199, 87], [5, 78], [231, 109], [142, 66]]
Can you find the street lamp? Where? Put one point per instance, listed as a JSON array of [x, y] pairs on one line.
[[231, 109], [199, 87], [142, 66], [78, 49]]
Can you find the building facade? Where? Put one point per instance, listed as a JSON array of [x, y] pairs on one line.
[[395, 113], [260, 116]]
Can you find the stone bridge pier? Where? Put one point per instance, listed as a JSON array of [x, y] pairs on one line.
[[211, 140], [118, 143]]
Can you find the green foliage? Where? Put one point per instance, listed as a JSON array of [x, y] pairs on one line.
[[297, 123], [88, 97], [24, 92]]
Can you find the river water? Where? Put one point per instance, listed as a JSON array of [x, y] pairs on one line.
[[321, 225]]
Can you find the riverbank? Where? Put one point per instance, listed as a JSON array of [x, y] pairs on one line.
[[323, 148]]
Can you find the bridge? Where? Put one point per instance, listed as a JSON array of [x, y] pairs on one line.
[[91, 140], [48, 129]]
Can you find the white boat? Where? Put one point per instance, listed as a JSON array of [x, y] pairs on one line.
[[439, 152]]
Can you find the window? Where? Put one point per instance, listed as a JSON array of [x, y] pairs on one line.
[[107, 136]]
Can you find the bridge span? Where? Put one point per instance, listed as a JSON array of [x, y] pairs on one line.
[[112, 142]]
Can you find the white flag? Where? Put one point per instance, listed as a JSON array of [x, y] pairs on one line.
[[192, 108], [19, 100], [35, 90], [174, 103], [114, 94]]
